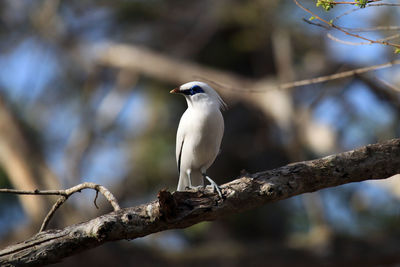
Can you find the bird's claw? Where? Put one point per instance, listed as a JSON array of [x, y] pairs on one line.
[[214, 185]]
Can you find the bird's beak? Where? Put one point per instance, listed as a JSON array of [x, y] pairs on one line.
[[174, 91]]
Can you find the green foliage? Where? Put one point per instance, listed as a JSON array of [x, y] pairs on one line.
[[327, 5], [397, 51], [361, 3]]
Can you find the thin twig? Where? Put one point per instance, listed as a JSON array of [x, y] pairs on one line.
[[317, 24], [331, 24], [372, 29], [359, 9], [384, 4], [33, 192], [95, 199], [347, 13], [339, 75], [387, 84], [357, 3], [376, 28], [50, 214], [348, 3], [336, 39], [65, 194]]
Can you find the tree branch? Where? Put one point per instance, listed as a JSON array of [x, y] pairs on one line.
[[64, 195], [183, 209]]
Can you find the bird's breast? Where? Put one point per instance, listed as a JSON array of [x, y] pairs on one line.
[[203, 137]]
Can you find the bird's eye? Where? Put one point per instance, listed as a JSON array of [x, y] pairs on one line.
[[196, 89]]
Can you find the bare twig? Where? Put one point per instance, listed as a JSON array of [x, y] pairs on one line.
[[95, 199], [387, 84], [334, 38], [317, 24], [339, 75], [334, 26], [50, 214], [372, 29], [384, 4], [347, 13], [377, 28], [65, 194]]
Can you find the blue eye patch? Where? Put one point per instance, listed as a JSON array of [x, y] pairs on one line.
[[194, 90]]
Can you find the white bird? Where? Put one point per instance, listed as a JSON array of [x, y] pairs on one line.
[[199, 134]]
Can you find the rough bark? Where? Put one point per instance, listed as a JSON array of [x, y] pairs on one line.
[[183, 209]]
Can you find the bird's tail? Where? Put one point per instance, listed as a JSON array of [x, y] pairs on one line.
[[196, 179]]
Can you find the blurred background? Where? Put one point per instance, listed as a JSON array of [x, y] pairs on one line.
[[84, 96]]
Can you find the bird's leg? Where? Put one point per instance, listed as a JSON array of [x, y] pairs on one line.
[[213, 184], [188, 171]]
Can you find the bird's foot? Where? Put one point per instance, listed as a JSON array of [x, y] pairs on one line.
[[214, 185]]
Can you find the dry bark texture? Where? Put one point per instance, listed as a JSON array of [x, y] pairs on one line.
[[183, 209]]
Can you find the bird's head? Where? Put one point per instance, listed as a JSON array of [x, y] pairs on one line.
[[199, 91]]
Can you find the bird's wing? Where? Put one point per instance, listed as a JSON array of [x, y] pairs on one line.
[[180, 140], [179, 147]]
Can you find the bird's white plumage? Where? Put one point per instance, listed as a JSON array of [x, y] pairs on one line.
[[199, 134]]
